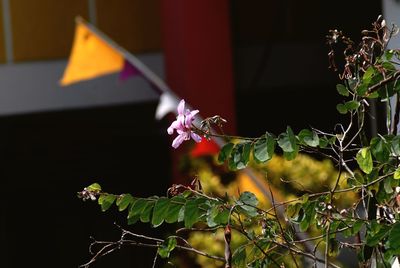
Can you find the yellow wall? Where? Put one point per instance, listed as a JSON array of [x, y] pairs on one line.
[[43, 29], [134, 24], [2, 46]]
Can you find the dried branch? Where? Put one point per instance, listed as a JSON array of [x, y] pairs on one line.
[[107, 247]]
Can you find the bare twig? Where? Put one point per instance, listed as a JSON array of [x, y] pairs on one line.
[[326, 253], [383, 82], [155, 260], [305, 254], [280, 226], [110, 246]]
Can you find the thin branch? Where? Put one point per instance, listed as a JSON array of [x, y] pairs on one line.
[[360, 128], [320, 236], [316, 151], [155, 259], [181, 230], [397, 114], [383, 82], [327, 245], [279, 224], [338, 177], [102, 252], [379, 179], [125, 232], [305, 254], [243, 231], [201, 253], [224, 136], [110, 246]]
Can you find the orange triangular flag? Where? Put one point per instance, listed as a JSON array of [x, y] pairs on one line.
[[91, 56]]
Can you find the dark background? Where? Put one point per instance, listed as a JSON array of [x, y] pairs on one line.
[[281, 64], [49, 157], [281, 78]]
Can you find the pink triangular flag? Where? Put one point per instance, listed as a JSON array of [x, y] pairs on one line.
[[128, 71]]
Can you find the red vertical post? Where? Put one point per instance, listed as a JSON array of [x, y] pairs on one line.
[[198, 59], [198, 55]]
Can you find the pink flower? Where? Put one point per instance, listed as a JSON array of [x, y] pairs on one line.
[[183, 126]]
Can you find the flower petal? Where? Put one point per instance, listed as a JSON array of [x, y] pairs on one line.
[[173, 126], [189, 118], [178, 141], [188, 121], [181, 107], [195, 137], [194, 112], [181, 119]]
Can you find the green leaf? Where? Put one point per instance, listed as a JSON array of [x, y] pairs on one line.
[[160, 211], [309, 215], [387, 185], [248, 204], [381, 194], [263, 244], [240, 156], [375, 236], [333, 247], [354, 229], [290, 156], [287, 141], [223, 217], [372, 176], [395, 145], [137, 208], [217, 215], [181, 215], [305, 198], [264, 148], [357, 227], [396, 174], [211, 214], [387, 91], [248, 198], [166, 247], [309, 138], [323, 142], [192, 212], [147, 210], [364, 160], [389, 66], [133, 219], [396, 86], [352, 105], [239, 257], [341, 108], [362, 89], [369, 73], [175, 205], [389, 54], [106, 200], [380, 149], [336, 224], [342, 90], [394, 238], [245, 156], [95, 187], [234, 158], [225, 152], [124, 201], [292, 212]]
